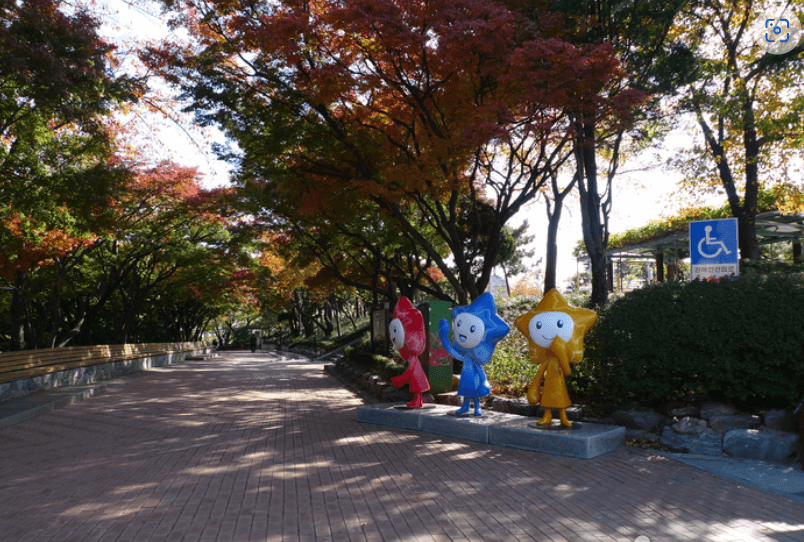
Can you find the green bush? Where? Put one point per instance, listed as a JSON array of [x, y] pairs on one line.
[[510, 371], [359, 355], [363, 345], [324, 343], [738, 341]]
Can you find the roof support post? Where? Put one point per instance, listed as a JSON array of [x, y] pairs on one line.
[[660, 266]]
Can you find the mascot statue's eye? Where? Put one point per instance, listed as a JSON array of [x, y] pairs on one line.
[[458, 323], [538, 325], [560, 323], [473, 329]]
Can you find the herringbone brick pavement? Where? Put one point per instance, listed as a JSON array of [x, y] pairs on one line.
[[265, 447]]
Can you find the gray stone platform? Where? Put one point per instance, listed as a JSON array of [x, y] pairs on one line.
[[588, 441]]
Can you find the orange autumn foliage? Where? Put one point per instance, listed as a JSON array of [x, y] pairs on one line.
[[30, 245], [408, 112], [410, 90], [276, 277]]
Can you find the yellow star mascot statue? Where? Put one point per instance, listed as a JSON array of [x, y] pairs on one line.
[[555, 332]]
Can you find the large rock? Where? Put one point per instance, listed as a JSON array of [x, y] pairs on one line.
[[779, 420], [449, 398], [643, 421], [756, 444], [688, 425], [521, 407], [500, 404], [396, 395], [716, 409], [723, 424], [687, 411], [377, 387], [703, 441], [574, 413]]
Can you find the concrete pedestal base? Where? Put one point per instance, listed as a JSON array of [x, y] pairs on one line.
[[587, 441]]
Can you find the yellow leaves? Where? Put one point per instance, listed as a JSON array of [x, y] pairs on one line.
[[277, 277], [528, 285], [788, 198]]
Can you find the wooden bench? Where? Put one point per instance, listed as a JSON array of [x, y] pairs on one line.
[[31, 363]]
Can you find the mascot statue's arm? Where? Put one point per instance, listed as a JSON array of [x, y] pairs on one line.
[[443, 334]]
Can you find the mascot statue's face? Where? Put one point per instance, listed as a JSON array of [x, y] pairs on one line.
[[546, 326], [406, 330], [468, 330], [397, 333]]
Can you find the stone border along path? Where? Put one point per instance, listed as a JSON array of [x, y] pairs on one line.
[[266, 447]]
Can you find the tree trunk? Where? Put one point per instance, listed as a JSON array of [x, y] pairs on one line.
[[299, 314], [18, 313], [554, 218], [348, 313], [507, 283], [552, 247], [595, 235], [747, 231], [744, 210], [747, 235]]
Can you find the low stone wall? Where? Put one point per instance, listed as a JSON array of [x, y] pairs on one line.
[[92, 373]]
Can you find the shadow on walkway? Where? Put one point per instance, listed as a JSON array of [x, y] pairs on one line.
[[265, 446]]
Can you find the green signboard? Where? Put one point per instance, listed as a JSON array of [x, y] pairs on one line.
[[436, 362]]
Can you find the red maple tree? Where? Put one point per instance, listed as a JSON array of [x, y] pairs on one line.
[[425, 109]]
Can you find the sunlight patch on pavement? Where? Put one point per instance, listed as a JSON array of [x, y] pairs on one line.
[[566, 491]]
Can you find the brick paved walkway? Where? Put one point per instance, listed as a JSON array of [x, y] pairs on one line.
[[259, 447]]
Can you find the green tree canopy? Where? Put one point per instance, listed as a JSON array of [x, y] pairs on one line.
[[746, 102], [57, 171]]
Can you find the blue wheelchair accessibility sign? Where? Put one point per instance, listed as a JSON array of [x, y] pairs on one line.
[[713, 248]]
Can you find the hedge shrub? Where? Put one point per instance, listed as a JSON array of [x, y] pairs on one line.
[[510, 371], [359, 355], [738, 341]]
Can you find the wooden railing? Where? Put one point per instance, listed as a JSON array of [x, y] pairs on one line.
[[28, 363]]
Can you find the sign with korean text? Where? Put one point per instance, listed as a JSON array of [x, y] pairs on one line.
[[713, 249]]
